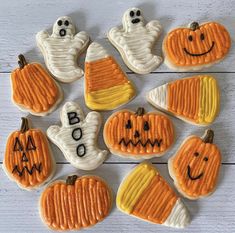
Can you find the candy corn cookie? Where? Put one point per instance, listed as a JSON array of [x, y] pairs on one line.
[[195, 166], [146, 195], [106, 85], [195, 100]]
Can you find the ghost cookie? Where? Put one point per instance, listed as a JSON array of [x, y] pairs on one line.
[[106, 85], [195, 100], [138, 135], [135, 40], [33, 89], [77, 137], [62, 48], [195, 166], [78, 203], [28, 160], [196, 46], [144, 194]]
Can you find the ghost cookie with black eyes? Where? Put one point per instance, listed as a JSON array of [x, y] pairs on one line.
[[77, 137], [135, 40], [62, 48], [196, 47], [195, 166]]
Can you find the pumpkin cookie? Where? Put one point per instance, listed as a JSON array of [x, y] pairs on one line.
[[28, 160], [195, 100], [77, 136], [33, 89], [195, 166], [138, 135], [106, 85], [80, 202], [135, 40], [146, 195], [196, 47], [62, 48]]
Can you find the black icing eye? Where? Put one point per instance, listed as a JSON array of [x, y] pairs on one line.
[[202, 36], [17, 145], [30, 144], [196, 154], [146, 126], [128, 125], [138, 13], [132, 13], [59, 22], [205, 159], [190, 38], [66, 23]]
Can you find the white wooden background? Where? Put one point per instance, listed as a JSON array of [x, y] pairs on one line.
[[21, 20]]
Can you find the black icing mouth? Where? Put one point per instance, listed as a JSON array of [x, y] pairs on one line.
[[62, 32], [26, 169], [193, 178], [139, 142], [199, 54], [135, 20]]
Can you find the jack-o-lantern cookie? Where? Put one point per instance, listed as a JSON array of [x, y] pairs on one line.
[[106, 85], [77, 137], [196, 47], [78, 203], [146, 195], [28, 160], [62, 48], [138, 135], [135, 39], [195, 100], [195, 166], [33, 89]]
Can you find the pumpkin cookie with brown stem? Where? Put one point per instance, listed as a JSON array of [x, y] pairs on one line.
[[195, 166]]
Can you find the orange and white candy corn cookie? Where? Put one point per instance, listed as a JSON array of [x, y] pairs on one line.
[[146, 195], [106, 85], [195, 100]]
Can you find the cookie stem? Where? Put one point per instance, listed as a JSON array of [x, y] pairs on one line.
[[24, 125], [209, 136], [71, 180], [22, 61], [194, 26], [140, 112]]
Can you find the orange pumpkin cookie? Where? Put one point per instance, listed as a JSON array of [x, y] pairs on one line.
[[138, 135], [33, 89], [195, 100], [79, 203], [196, 47], [28, 160], [106, 85], [146, 195], [195, 167]]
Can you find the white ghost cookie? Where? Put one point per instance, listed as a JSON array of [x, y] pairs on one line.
[[62, 48], [135, 40], [77, 137]]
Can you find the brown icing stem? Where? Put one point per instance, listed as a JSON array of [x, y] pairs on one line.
[[24, 125], [209, 136], [140, 111], [194, 26], [71, 180], [22, 61]]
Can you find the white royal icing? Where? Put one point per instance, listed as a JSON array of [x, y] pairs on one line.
[[62, 48], [135, 41], [95, 52], [77, 137]]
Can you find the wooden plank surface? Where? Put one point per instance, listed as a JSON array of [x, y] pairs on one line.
[[21, 20]]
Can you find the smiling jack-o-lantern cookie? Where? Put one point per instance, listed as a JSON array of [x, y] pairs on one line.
[[77, 137], [195, 100], [62, 48], [196, 47], [28, 159], [138, 135], [79, 203], [146, 195], [195, 166], [135, 40]]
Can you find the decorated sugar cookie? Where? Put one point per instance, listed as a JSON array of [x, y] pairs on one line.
[[135, 40], [138, 135], [33, 89], [28, 160], [62, 48], [195, 100], [106, 85], [146, 195], [196, 46], [195, 166], [80, 202], [77, 136]]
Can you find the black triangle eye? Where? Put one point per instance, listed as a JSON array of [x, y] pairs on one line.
[[30, 144], [59, 22], [138, 13], [128, 125], [132, 13], [17, 145], [146, 126]]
